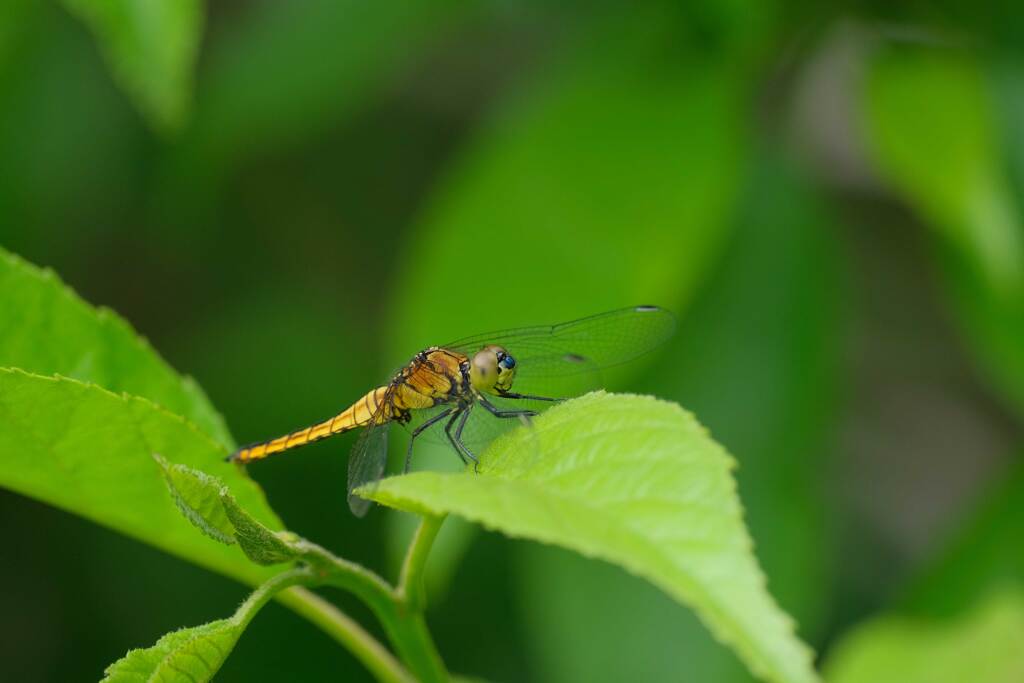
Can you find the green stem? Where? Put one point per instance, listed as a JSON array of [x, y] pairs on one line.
[[413, 638], [410, 582], [403, 622], [377, 659], [349, 576], [332, 621], [409, 633], [268, 589], [399, 609]]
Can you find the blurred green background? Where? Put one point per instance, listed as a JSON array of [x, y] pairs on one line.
[[830, 196]]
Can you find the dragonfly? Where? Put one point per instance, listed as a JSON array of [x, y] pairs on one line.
[[470, 380]]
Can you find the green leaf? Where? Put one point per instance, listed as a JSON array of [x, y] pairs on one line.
[[89, 451], [190, 654], [542, 199], [260, 544], [45, 328], [207, 503], [636, 482], [948, 165], [196, 654], [983, 646], [757, 357], [151, 47], [198, 497]]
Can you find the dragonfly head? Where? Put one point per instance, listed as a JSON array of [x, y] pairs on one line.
[[492, 370]]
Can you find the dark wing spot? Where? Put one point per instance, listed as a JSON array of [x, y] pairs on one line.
[[575, 358], [646, 309]]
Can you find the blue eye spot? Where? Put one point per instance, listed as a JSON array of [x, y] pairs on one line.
[[509, 362]]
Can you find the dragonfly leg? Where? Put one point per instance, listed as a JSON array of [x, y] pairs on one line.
[[498, 412], [456, 439], [448, 433], [416, 432], [512, 394]]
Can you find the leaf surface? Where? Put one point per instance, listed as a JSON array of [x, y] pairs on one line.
[[90, 452], [636, 482], [45, 328], [206, 502], [190, 654]]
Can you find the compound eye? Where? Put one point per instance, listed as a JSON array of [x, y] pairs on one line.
[[508, 362]]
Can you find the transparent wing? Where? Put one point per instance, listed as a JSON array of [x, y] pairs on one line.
[[434, 433], [580, 346], [369, 457], [576, 351]]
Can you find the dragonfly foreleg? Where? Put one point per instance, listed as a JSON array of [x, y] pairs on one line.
[[416, 432], [512, 394], [498, 412]]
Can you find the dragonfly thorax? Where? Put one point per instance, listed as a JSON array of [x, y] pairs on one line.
[[492, 370]]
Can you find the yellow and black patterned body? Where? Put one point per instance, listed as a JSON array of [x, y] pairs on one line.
[[432, 377]]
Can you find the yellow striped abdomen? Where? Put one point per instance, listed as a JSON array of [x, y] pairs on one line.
[[356, 415]]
